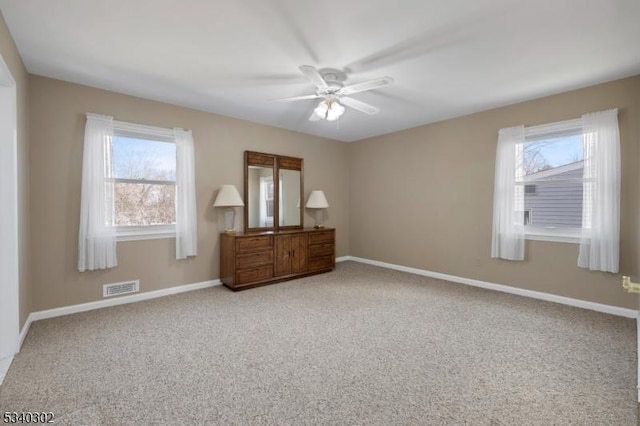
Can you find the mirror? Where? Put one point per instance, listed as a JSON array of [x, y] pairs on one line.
[[260, 197], [290, 197], [272, 204]]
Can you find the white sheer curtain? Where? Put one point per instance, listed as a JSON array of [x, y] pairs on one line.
[[600, 244], [186, 217], [97, 237], [508, 197]]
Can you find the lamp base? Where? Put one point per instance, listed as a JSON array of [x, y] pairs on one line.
[[318, 217], [229, 220]]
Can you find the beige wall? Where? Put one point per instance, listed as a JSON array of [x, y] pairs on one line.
[[57, 127], [423, 197], [11, 57]]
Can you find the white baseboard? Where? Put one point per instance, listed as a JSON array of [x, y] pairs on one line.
[[342, 259], [25, 330], [5, 363], [608, 309], [83, 307]]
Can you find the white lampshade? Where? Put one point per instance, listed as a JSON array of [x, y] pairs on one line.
[[321, 109], [329, 109], [317, 200], [228, 196], [335, 111]]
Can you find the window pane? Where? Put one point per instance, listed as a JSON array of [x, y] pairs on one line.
[[141, 204], [552, 153], [143, 159], [554, 204]]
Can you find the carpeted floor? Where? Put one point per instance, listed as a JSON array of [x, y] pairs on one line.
[[361, 345]]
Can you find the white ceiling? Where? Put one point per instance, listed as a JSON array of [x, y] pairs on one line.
[[448, 57]]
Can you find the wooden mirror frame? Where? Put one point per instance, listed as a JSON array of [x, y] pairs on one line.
[[277, 162]]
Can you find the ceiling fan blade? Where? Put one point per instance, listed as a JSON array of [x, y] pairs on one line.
[[314, 117], [359, 106], [313, 75], [296, 98], [366, 85]]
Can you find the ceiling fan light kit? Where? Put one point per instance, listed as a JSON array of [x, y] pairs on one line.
[[328, 82], [329, 109]]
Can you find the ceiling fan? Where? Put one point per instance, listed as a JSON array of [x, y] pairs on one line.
[[330, 87]]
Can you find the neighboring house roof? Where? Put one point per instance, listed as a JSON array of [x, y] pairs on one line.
[[545, 174]]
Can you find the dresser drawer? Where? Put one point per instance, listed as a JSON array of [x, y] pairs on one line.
[[258, 242], [250, 260], [254, 274], [323, 249], [321, 262], [320, 237]]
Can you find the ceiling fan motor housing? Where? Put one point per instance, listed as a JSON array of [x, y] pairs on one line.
[[333, 77]]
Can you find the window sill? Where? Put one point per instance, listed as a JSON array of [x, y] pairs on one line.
[[553, 238], [145, 235], [553, 235], [136, 237]]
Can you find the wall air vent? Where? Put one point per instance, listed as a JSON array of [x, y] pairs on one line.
[[117, 289]]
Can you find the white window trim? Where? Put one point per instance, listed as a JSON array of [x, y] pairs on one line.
[[151, 232], [543, 233], [140, 131], [559, 128]]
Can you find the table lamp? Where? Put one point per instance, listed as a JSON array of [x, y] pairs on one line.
[[317, 201], [229, 198]]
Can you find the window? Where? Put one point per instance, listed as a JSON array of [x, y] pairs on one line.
[[138, 182], [144, 177], [526, 216], [552, 176], [574, 167]]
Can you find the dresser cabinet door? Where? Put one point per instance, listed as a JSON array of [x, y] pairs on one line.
[[283, 255], [291, 254], [299, 247]]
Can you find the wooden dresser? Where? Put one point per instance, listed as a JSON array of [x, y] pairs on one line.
[[260, 258]]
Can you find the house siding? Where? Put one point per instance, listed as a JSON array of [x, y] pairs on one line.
[[558, 205]]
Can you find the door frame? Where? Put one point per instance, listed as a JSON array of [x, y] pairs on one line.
[[9, 240]]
